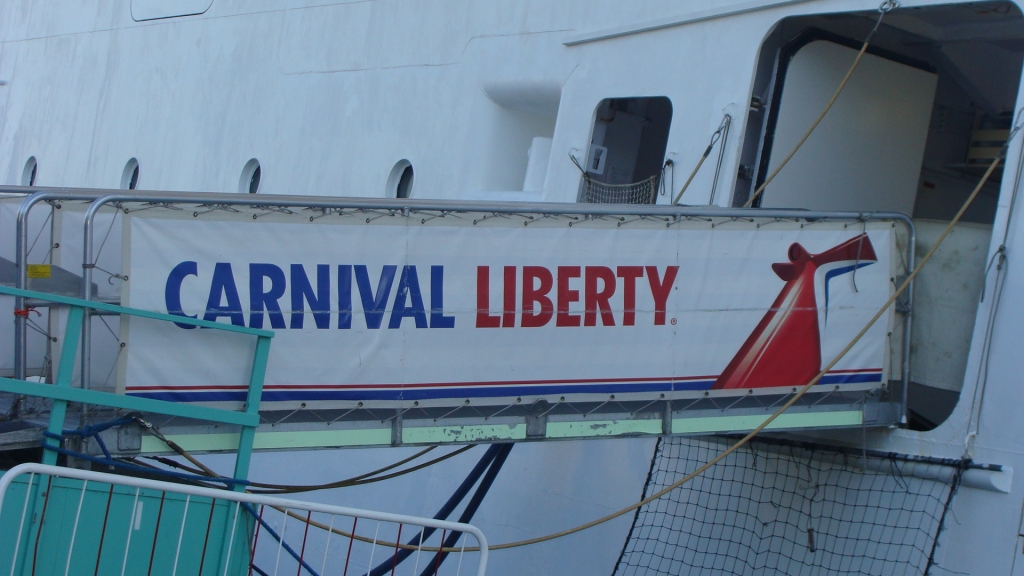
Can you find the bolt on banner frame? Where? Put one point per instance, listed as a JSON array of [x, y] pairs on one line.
[[396, 219]]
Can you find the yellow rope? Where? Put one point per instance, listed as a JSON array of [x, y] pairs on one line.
[[739, 444], [821, 116], [785, 406], [690, 179]]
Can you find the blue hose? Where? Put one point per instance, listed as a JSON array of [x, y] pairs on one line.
[[471, 508], [492, 461]]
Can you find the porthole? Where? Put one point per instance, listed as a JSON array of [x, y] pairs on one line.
[[130, 175], [28, 175], [401, 180], [251, 175]]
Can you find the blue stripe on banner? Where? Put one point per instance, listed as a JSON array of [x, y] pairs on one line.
[[302, 394], [693, 385], [853, 378]]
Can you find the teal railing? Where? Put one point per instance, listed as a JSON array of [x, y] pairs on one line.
[[61, 391]]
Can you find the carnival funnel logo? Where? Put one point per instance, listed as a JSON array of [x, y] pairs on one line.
[[785, 347]]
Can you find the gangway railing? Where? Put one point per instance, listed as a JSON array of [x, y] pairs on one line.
[[92, 522], [62, 393]]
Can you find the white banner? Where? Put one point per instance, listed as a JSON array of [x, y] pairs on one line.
[[448, 310]]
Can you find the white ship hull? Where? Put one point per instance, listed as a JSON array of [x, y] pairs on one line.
[[337, 99]]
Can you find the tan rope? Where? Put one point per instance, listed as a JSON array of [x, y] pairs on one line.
[[692, 174], [821, 116], [739, 444]]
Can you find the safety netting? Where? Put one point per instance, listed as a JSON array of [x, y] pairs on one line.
[[642, 192], [779, 507]]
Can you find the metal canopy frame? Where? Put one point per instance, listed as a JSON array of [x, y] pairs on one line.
[[644, 416]]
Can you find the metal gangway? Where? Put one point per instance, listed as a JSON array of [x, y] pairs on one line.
[[85, 225]]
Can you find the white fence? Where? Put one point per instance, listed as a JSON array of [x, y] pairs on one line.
[[68, 521]]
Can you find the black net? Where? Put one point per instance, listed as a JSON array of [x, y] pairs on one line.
[[776, 507]]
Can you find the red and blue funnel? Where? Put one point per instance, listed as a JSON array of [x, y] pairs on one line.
[[785, 347]]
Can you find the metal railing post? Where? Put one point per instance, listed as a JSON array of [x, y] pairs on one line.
[[65, 371], [908, 320], [247, 435], [252, 406], [88, 265]]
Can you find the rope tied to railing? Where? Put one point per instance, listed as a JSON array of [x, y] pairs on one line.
[[722, 128]]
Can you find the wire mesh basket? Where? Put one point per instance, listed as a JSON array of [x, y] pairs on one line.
[[643, 192]]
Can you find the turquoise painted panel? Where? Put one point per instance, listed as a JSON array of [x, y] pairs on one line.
[[113, 533]]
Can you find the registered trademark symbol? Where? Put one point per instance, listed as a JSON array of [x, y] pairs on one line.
[[673, 321]]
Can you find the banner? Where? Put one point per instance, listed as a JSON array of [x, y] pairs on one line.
[[402, 309]]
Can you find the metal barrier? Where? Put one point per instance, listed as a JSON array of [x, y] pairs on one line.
[[85, 522]]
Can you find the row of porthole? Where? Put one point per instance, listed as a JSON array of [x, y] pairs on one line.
[[249, 182], [399, 182]]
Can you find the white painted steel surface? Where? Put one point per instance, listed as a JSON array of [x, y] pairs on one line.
[[886, 104], [947, 297]]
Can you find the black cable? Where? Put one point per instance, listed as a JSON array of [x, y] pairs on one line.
[[467, 514], [643, 494], [486, 463], [364, 480], [443, 513], [355, 481]]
